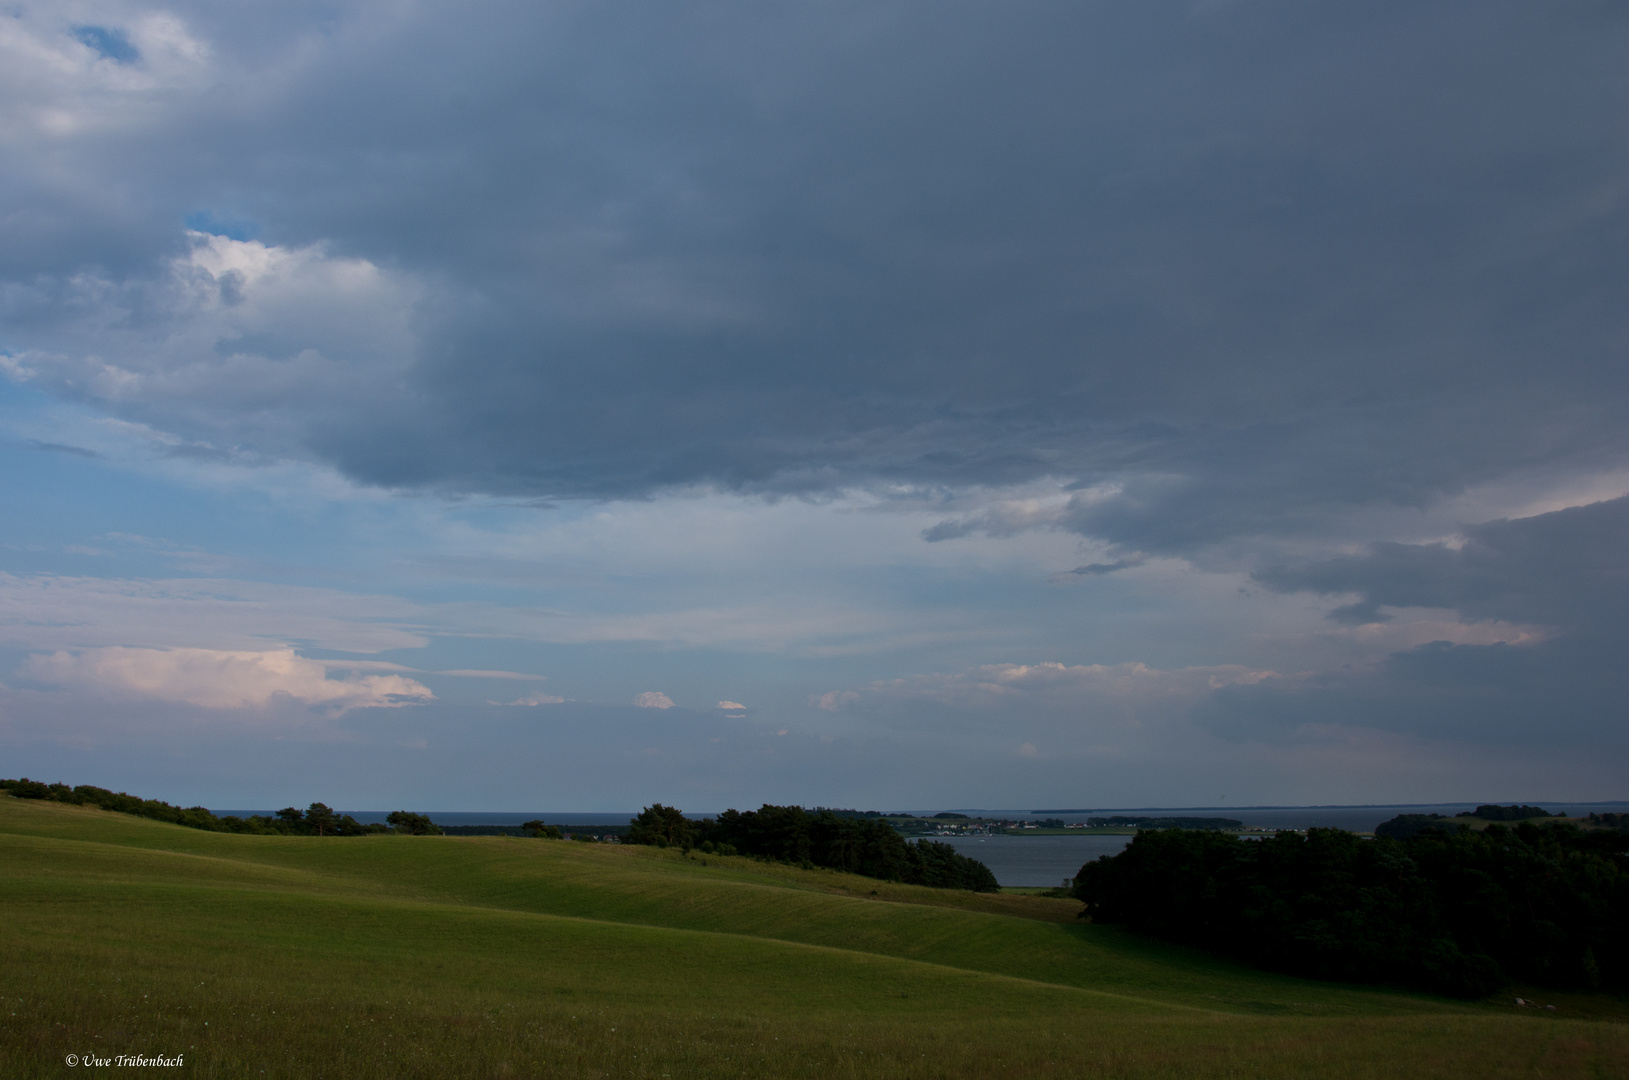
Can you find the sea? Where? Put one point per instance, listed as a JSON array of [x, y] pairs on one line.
[[1046, 860]]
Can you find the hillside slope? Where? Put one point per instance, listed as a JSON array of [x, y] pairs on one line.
[[431, 956]]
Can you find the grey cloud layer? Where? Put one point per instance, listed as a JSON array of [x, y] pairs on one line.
[[1182, 278], [1567, 570], [1550, 592], [1256, 263]]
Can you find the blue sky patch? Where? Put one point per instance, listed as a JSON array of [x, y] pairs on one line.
[[228, 225], [110, 42]]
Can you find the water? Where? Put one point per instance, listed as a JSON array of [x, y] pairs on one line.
[[1034, 860]]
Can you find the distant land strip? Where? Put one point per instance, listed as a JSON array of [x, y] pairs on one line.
[[1314, 806]]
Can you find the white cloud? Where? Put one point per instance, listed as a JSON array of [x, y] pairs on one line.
[[1003, 513], [1048, 684], [653, 699], [59, 88], [1411, 627], [220, 679], [474, 673], [537, 699], [231, 352]]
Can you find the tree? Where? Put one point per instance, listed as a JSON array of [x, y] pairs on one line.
[[1450, 910], [1404, 826], [856, 845], [1494, 812], [321, 818], [288, 821], [412, 824], [943, 867], [538, 829], [661, 826]]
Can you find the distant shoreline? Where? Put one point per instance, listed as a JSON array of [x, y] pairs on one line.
[[618, 817], [1319, 806]]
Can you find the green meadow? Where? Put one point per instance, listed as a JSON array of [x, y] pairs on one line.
[[398, 956]]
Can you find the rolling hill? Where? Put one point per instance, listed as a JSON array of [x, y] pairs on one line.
[[397, 956]]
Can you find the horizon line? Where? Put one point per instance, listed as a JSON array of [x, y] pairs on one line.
[[978, 810]]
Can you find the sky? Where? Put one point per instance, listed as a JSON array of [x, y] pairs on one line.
[[575, 406]]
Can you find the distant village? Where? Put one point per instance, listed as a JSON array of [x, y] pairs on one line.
[[954, 824]]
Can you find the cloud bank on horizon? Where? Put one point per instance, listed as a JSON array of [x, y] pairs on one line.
[[1089, 402]]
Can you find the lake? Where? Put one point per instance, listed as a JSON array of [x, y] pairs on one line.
[[1034, 860]]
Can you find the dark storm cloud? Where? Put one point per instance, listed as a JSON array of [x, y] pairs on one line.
[[1564, 693], [1254, 262], [1567, 571]]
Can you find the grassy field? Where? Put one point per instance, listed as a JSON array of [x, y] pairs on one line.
[[397, 956]]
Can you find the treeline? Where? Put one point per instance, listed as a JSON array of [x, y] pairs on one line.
[[791, 834], [1490, 812], [1460, 913], [316, 820], [1404, 826], [1121, 822]]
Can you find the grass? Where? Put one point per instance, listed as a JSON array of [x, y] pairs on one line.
[[429, 956]]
